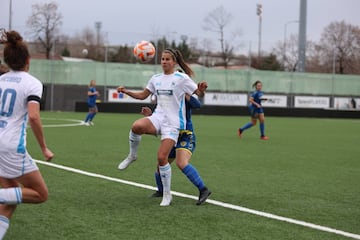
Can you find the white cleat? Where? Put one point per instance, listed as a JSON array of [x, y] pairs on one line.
[[166, 201], [86, 123], [126, 162]]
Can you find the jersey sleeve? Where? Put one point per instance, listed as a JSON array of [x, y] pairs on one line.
[[150, 85], [35, 90], [189, 85], [194, 103]]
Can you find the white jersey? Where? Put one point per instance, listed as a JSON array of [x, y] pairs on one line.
[[17, 88], [170, 93]]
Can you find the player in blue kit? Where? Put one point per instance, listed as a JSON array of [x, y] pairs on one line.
[[256, 111], [92, 96], [183, 151]]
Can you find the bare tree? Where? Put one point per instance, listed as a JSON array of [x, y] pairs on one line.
[[340, 47], [288, 52], [44, 22], [216, 21]]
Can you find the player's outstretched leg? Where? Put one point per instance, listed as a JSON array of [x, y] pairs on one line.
[[134, 142], [242, 129], [193, 175]]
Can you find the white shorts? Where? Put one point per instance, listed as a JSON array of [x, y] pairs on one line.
[[163, 129], [13, 165]]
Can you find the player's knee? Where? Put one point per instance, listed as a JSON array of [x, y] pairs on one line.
[[137, 128], [43, 196], [162, 158], [181, 165]]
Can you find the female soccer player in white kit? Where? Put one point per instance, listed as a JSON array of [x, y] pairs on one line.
[[20, 94], [168, 118]]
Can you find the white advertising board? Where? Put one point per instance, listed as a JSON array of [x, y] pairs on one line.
[[225, 99], [275, 101], [114, 96], [312, 102], [346, 103]]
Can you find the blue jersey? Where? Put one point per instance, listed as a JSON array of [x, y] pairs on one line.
[[92, 99], [193, 103], [187, 139], [257, 97]]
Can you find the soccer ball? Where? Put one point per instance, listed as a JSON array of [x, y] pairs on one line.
[[84, 52], [144, 51]]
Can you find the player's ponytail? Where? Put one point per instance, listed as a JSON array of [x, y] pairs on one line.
[[16, 53], [180, 60]]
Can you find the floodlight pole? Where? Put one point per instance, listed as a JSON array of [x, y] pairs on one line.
[[10, 15], [259, 12]]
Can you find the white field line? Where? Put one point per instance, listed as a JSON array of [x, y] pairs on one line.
[[75, 122], [214, 202]]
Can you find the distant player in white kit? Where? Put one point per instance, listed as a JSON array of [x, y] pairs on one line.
[[20, 94], [168, 118]]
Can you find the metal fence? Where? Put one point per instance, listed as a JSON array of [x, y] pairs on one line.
[[137, 76]]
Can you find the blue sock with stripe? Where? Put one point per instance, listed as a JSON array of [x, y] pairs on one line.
[[193, 175]]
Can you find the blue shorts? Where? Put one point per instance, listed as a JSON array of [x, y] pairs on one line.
[[186, 140], [254, 111]]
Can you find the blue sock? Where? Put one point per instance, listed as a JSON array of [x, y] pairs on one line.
[[248, 125], [262, 129], [92, 115], [87, 117], [158, 182], [193, 175]]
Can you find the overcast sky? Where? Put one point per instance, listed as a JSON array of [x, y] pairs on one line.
[[125, 21]]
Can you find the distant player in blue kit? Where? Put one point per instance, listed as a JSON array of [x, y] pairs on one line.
[[92, 96], [256, 111], [183, 151]]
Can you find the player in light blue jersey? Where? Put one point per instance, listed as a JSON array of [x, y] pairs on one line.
[[20, 96], [169, 118], [256, 111], [92, 96], [183, 151]]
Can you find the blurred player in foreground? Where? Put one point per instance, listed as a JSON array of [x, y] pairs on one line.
[[256, 111], [20, 95]]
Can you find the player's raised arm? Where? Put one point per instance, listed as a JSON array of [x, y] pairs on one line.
[[138, 94], [200, 91]]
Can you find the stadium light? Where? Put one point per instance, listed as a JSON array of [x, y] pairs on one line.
[[259, 13], [258, 9]]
